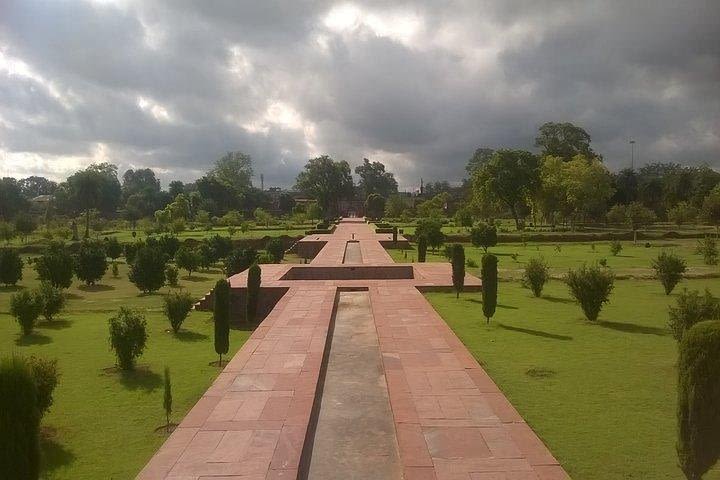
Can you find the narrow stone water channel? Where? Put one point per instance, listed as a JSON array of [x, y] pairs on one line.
[[355, 433], [353, 254]]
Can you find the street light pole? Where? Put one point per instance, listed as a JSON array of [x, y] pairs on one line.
[[632, 154]]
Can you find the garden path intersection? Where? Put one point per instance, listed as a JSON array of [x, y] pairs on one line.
[[353, 375]]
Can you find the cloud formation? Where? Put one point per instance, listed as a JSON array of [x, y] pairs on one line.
[[172, 84]]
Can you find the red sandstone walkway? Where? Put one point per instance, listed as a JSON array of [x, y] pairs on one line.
[[451, 420]]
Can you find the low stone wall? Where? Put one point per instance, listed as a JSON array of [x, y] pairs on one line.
[[268, 298]]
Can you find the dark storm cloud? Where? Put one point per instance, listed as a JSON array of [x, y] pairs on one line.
[[419, 85]]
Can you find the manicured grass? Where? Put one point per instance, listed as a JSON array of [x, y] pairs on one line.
[[633, 260], [602, 396], [102, 423]]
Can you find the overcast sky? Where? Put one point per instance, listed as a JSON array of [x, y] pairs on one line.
[[173, 84]]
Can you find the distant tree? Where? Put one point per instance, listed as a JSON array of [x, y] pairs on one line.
[[698, 446], [478, 160], [56, 266], [167, 398], [669, 269], [422, 248], [95, 187], [24, 226], [286, 203], [177, 308], [484, 235], [591, 288], [188, 258], [564, 140], [395, 206], [12, 200], [240, 260], [113, 248], [11, 266], [510, 176], [91, 262], [7, 232], [51, 299], [34, 186], [374, 206], [276, 249], [458, 268], [147, 272], [253, 292], [692, 308], [221, 316], [682, 213], [375, 180], [489, 278], [171, 275], [536, 275], [234, 169], [327, 181], [128, 336], [711, 208], [434, 207], [626, 186], [431, 229], [175, 188], [25, 307], [20, 421], [220, 247], [707, 247], [463, 217], [262, 216], [635, 215], [615, 247]]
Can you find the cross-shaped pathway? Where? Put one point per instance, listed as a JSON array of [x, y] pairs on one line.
[[353, 375]]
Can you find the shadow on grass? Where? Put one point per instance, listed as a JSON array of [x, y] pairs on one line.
[[142, 378], [11, 288], [506, 307], [55, 324], [54, 454], [32, 339], [96, 288], [73, 296], [552, 299], [243, 327], [196, 278], [633, 328], [537, 333], [190, 336]]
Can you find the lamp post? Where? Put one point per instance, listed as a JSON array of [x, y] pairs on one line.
[[632, 154]]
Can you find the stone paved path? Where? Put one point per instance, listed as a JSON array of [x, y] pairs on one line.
[[451, 421]]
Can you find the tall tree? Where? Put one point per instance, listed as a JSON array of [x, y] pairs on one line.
[[511, 176], [95, 187], [564, 140], [479, 158], [12, 200], [626, 186], [34, 186], [327, 181], [221, 316], [375, 180], [234, 169]]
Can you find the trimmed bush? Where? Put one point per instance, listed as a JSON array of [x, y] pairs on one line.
[[113, 248], [484, 235], [206, 256], [11, 266], [91, 262], [171, 275], [669, 269], [707, 247], [221, 317], [147, 273], [25, 307], [489, 276], [536, 275], [167, 398], [56, 266], [276, 250], [240, 260], [591, 288], [51, 299], [177, 308], [130, 251], [422, 248], [692, 308], [458, 268], [115, 270], [253, 292], [615, 247], [19, 420], [128, 336], [46, 376], [431, 229], [188, 259], [698, 445]]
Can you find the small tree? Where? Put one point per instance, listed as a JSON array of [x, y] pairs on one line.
[[489, 277], [615, 247], [253, 292], [458, 268], [51, 299], [188, 259], [698, 446], [240, 260], [25, 307], [24, 226], [711, 208], [115, 270], [669, 269], [130, 251], [276, 250], [262, 216], [536, 275], [395, 235], [707, 247], [128, 336], [171, 275], [91, 262], [177, 308], [7, 232], [591, 288], [148, 270], [220, 247], [484, 235], [221, 316], [46, 376], [56, 266], [11, 266], [113, 248], [692, 308], [422, 248], [431, 229], [19, 421], [167, 399], [374, 206]]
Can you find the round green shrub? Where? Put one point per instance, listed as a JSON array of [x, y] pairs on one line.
[[177, 308], [11, 266], [128, 336]]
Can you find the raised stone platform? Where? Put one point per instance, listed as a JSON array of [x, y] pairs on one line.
[[261, 416]]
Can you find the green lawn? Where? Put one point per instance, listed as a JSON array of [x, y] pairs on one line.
[[602, 396], [633, 260], [102, 424]]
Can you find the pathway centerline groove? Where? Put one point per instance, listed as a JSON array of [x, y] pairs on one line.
[[450, 420]]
